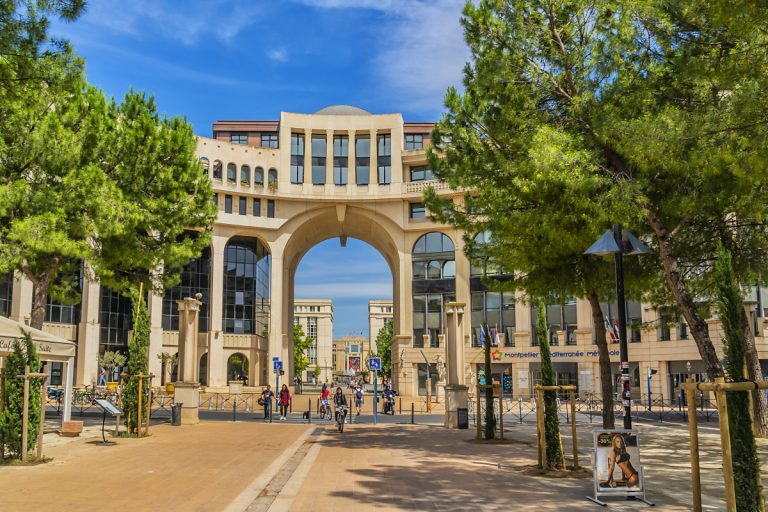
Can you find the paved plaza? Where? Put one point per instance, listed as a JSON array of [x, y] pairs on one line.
[[250, 465]]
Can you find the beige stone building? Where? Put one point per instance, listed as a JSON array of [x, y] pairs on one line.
[[350, 354], [379, 311], [316, 319], [285, 185]]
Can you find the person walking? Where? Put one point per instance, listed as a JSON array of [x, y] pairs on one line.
[[358, 398], [283, 400], [266, 397]]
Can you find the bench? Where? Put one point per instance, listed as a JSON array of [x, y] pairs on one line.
[[71, 428]]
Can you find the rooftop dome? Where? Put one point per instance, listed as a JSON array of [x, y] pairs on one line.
[[342, 110]]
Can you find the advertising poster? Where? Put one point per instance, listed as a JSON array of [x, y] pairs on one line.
[[522, 379], [617, 462], [354, 364]]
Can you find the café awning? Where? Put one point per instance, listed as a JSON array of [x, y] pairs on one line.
[[49, 347]]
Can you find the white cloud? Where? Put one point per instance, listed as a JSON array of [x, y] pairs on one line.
[[278, 55]]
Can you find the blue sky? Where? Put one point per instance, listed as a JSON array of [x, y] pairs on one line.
[[251, 59]]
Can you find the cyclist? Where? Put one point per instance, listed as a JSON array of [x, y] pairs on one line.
[[325, 405], [340, 403]]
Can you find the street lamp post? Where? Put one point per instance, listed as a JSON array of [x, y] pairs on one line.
[[620, 242]]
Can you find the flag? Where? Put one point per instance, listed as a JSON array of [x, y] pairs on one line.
[[612, 329]]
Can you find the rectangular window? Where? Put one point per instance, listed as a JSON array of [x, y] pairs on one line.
[[414, 141], [682, 331], [421, 173], [417, 210], [269, 140], [297, 158], [340, 159], [664, 322], [6, 293], [227, 204], [362, 159], [216, 199], [242, 207], [385, 159], [318, 159], [634, 321], [312, 333], [238, 138], [270, 208], [257, 207]]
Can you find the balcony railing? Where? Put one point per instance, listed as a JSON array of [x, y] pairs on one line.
[[419, 186]]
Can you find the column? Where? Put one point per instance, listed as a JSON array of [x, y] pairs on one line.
[[277, 313], [21, 305], [217, 365], [456, 394], [88, 333], [374, 179], [155, 307], [187, 389]]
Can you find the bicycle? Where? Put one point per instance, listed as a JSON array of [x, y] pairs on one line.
[[325, 410], [341, 416]]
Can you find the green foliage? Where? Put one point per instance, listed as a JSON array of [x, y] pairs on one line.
[[746, 466], [555, 458], [111, 360], [316, 372], [138, 363], [301, 345], [11, 417], [384, 347]]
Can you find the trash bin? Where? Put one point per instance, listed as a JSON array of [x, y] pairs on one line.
[[176, 414], [462, 417]]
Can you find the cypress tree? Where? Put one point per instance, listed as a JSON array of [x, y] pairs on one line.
[[138, 362], [746, 467], [555, 459], [11, 417]]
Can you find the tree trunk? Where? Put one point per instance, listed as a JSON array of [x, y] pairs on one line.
[[696, 322], [755, 374], [606, 376], [39, 300]]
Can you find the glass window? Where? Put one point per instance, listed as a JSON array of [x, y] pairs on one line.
[[6, 293], [270, 208], [433, 378], [312, 333], [340, 159], [414, 141], [227, 204], [216, 199], [269, 140], [362, 159], [257, 207], [419, 270], [195, 278], [417, 211], [385, 159], [242, 207], [258, 176], [318, 159], [245, 175], [58, 312], [238, 138], [272, 179], [246, 286], [449, 269], [206, 164], [231, 173], [434, 269], [114, 318], [421, 173], [432, 243], [297, 158], [217, 167]]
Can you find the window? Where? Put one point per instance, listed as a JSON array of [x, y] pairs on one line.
[[231, 173], [664, 322], [114, 318], [611, 317], [258, 176], [682, 331], [58, 312], [312, 333], [216, 199], [242, 207], [245, 175], [238, 138], [206, 164], [257, 207], [318, 159], [272, 178], [417, 211], [227, 204], [195, 278], [634, 321], [385, 159], [428, 317], [496, 311], [270, 208], [560, 317], [362, 159], [433, 284], [422, 378], [6, 293], [433, 242], [414, 141], [217, 167], [340, 159], [269, 140], [246, 286], [297, 158], [421, 173]]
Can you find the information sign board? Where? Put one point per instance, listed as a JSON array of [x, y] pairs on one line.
[[108, 406]]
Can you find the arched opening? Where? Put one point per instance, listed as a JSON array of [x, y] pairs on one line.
[[272, 180], [217, 168], [205, 163], [203, 370], [258, 176], [237, 368], [245, 175], [231, 172], [434, 284]]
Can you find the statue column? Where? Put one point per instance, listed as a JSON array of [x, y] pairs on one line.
[[187, 389], [456, 396]]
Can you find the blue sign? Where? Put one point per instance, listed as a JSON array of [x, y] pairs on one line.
[[277, 365], [275, 358], [374, 363]]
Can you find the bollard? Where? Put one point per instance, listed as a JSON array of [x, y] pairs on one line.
[[234, 410], [412, 419], [309, 410], [520, 408], [401, 404]]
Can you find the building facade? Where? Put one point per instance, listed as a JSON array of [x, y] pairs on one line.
[[379, 312], [316, 319], [284, 186], [350, 353]]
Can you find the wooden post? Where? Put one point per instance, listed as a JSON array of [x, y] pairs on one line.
[[42, 418], [138, 409], [25, 417], [693, 433], [149, 404], [573, 431], [540, 433], [725, 442]]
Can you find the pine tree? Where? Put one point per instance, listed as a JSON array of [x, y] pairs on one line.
[[746, 466], [555, 458], [138, 363], [11, 417]]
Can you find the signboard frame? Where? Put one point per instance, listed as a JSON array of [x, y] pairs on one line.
[[108, 406], [603, 443]]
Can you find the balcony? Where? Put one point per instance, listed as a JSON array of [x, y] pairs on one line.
[[412, 187]]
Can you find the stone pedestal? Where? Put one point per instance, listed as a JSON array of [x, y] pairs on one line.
[[456, 397], [440, 391], [188, 394]]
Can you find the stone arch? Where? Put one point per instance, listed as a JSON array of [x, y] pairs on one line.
[[237, 367]]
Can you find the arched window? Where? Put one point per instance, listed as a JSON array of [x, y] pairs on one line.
[[203, 370], [245, 175], [258, 176], [231, 173], [206, 164], [237, 367], [217, 168], [272, 179], [434, 284], [246, 286]]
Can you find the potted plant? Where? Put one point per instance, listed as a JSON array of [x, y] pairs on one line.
[[109, 361], [169, 364]]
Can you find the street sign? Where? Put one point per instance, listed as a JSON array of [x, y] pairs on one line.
[[374, 363], [277, 365], [275, 358]]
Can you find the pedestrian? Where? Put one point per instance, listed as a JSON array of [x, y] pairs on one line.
[[283, 400], [359, 398], [102, 376], [266, 398]]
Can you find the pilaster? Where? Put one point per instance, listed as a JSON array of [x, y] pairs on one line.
[[155, 306], [88, 334], [217, 366], [21, 306]]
